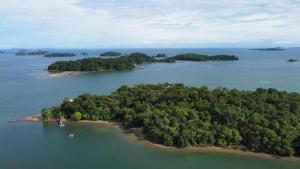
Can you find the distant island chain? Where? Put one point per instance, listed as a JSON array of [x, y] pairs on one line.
[[127, 62]]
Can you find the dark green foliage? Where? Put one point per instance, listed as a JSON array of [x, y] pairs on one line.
[[76, 116], [296, 144], [127, 62], [100, 64], [60, 55], [200, 57], [176, 115], [160, 55], [110, 54]]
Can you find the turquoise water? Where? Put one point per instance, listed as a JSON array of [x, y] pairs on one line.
[[25, 88]]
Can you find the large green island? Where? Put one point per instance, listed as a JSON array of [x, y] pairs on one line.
[[128, 62], [265, 120]]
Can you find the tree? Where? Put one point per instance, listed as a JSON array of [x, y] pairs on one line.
[[47, 114], [76, 116]]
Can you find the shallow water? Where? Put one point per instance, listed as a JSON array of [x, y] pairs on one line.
[[25, 89]]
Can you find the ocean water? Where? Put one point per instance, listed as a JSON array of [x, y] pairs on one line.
[[25, 88]]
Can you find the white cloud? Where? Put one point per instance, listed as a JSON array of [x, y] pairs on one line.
[[148, 23]]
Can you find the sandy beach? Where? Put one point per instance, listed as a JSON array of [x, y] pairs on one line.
[[62, 74], [137, 134]]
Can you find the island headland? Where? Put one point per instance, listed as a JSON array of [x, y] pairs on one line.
[[261, 121]]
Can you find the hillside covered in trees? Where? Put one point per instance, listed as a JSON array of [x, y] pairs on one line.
[[265, 120], [127, 62]]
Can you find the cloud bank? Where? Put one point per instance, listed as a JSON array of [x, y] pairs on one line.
[[148, 23]]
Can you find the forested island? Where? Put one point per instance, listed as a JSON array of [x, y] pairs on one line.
[[269, 49], [111, 54], [99, 64], [128, 62], [25, 52], [200, 57], [293, 60], [160, 55], [264, 120], [60, 55]]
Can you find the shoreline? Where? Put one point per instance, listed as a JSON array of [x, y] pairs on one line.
[[65, 73], [56, 74], [137, 134]]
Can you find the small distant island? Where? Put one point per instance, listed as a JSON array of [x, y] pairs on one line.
[[161, 55], [264, 120], [2, 51], [60, 55], [111, 54], [269, 49], [129, 62], [83, 53], [25, 52], [293, 60], [200, 57]]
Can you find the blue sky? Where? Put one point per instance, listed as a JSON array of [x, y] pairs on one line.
[[148, 23]]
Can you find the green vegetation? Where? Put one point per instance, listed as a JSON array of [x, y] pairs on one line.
[[128, 62], [200, 57], [270, 49], [76, 116], [161, 55], [60, 55], [110, 54], [265, 120], [108, 64], [24, 52]]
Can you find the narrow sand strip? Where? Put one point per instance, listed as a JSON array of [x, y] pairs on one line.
[[139, 136]]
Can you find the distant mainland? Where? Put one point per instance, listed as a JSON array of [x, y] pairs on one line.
[[25, 52], [129, 62], [45, 53]]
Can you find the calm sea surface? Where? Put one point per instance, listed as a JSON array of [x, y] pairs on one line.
[[25, 88]]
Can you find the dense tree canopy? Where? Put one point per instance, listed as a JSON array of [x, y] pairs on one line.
[[161, 55], [111, 53], [60, 55], [100, 64], [128, 61], [265, 120], [200, 57]]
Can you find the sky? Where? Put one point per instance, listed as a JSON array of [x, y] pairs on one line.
[[149, 23]]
